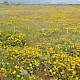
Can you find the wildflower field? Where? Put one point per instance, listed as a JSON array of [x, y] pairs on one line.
[[40, 42]]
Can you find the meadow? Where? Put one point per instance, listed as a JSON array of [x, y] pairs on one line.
[[40, 42]]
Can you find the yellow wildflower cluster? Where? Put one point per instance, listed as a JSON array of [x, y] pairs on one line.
[[40, 42]]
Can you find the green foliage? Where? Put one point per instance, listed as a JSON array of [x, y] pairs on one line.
[[6, 2]]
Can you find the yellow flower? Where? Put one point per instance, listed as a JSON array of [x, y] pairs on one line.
[[74, 72], [73, 66], [36, 63], [18, 76], [54, 72], [2, 69], [76, 78], [30, 65], [16, 67], [14, 72], [45, 69], [50, 70]]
